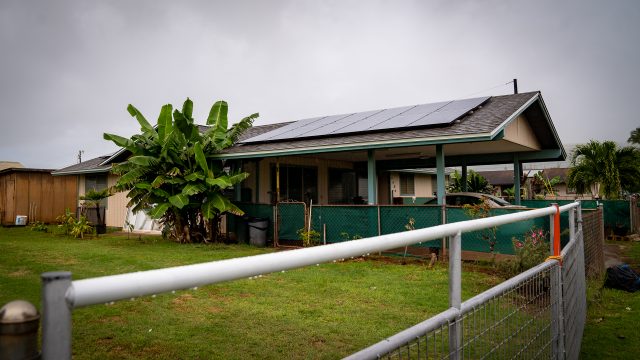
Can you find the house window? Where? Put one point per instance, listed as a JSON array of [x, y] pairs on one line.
[[297, 183], [342, 186], [97, 183], [407, 187]]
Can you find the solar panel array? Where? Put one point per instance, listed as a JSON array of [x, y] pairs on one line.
[[440, 113]]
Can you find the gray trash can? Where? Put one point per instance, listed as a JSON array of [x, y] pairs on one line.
[[258, 231]]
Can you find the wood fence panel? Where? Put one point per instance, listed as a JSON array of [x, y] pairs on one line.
[[22, 194], [47, 211]]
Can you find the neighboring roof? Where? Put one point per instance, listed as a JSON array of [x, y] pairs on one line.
[[10, 164], [486, 123], [23, 169], [503, 177], [447, 171], [550, 173], [90, 166]]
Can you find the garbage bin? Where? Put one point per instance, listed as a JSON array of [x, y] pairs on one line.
[[241, 229], [258, 231]]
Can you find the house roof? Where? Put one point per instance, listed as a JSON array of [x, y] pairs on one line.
[[483, 124], [562, 173], [23, 169], [94, 165], [10, 165], [502, 177]]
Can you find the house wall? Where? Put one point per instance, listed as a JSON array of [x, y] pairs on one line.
[[38, 195], [322, 165], [116, 212], [520, 132], [116, 205], [423, 185]]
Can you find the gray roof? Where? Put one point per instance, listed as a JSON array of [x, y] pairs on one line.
[[484, 123], [488, 118], [89, 166]]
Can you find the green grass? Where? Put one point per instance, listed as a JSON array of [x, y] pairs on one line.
[[612, 319], [327, 311]]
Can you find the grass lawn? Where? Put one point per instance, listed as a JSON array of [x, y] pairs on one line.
[[613, 317], [327, 311]]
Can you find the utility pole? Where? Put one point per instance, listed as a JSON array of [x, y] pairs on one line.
[[80, 152]]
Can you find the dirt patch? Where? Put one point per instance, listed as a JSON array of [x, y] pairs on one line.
[[19, 273], [111, 320]]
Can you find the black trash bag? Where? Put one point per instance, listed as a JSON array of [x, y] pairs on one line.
[[622, 277]]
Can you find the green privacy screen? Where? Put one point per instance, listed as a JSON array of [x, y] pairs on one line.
[[617, 218]]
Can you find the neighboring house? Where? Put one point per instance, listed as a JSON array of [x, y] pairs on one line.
[[10, 165], [412, 186], [501, 180], [36, 194], [561, 189], [366, 157]]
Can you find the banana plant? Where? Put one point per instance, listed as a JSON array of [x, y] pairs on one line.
[[172, 172]]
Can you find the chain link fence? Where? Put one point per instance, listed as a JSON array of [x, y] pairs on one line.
[[593, 228], [515, 320], [538, 314]]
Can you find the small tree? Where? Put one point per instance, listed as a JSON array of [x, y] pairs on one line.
[[94, 198], [475, 183], [174, 173]]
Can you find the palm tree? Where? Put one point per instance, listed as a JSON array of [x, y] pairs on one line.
[[634, 138], [604, 169]]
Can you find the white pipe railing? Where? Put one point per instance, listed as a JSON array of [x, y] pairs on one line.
[[106, 289]]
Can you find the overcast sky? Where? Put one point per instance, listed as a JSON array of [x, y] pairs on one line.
[[68, 69]]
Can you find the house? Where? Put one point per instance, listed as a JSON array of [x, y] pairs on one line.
[[501, 180], [366, 157], [35, 193]]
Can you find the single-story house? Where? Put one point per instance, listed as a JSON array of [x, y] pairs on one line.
[[358, 157]]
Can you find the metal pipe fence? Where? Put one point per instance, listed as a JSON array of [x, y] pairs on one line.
[[498, 309], [539, 313]]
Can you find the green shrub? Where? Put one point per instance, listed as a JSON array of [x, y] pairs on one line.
[[39, 226], [309, 238]]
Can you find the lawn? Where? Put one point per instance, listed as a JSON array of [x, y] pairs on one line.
[[327, 311], [612, 318]]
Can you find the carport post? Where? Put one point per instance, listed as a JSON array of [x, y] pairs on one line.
[[440, 173], [371, 177], [517, 173], [465, 186]]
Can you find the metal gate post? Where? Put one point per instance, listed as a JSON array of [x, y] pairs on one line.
[[455, 294], [56, 315]]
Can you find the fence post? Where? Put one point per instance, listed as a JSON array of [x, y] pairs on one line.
[[572, 224], [443, 217], [56, 315], [455, 294], [554, 232]]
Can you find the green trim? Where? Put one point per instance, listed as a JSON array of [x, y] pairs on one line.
[[371, 178], [512, 117], [365, 146]]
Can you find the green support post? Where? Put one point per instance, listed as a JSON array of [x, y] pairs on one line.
[[517, 173], [371, 178], [440, 173], [465, 186], [257, 175]]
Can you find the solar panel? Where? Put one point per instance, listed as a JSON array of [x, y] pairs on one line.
[[440, 113], [342, 124]]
